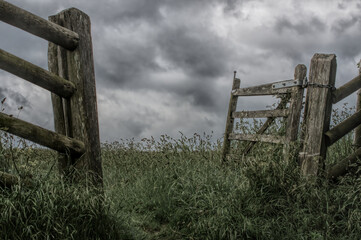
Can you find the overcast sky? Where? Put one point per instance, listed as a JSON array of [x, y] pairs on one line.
[[164, 66]]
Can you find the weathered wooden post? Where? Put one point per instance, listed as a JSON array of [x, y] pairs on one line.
[[230, 119], [357, 136], [319, 99], [293, 120], [77, 116]]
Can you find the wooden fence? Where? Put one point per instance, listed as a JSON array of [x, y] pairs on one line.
[[316, 135], [321, 94], [70, 79], [293, 91]]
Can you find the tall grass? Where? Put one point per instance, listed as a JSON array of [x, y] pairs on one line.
[[179, 189]]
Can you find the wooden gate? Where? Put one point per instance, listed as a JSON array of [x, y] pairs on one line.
[[71, 81], [293, 94]]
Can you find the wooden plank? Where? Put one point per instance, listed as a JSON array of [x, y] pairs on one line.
[[261, 114], [257, 137], [295, 108], [346, 89], [344, 166], [323, 72], [36, 75], [230, 119], [265, 89], [40, 135], [357, 136], [265, 126], [303, 129], [83, 113], [38, 26], [64, 161], [343, 128]]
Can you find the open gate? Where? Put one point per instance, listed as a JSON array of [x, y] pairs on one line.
[[290, 107]]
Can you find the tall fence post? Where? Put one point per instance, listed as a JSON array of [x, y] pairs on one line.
[[230, 120], [78, 115], [357, 136], [293, 120], [319, 99]]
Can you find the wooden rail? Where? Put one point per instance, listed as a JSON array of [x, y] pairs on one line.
[[257, 137], [346, 89], [261, 114], [38, 26], [40, 135], [265, 89], [344, 165], [266, 125], [343, 128], [36, 75]]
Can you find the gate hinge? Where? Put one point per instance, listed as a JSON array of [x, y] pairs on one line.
[[287, 83]]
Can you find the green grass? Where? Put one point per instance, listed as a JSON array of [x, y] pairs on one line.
[[179, 189], [183, 194]]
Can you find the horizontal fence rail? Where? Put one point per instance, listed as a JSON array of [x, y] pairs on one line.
[[40, 135], [343, 128], [346, 89], [344, 165], [265, 126], [257, 137], [36, 75], [265, 89], [261, 113], [38, 26]]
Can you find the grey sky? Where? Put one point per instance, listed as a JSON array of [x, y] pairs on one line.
[[164, 66]]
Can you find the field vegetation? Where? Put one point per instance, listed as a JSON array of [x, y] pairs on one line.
[[179, 189]]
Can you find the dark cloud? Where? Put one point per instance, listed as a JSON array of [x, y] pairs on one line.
[[196, 51], [347, 46], [304, 27], [126, 66], [342, 25], [129, 12], [185, 47]]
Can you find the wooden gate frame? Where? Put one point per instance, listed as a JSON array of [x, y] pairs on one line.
[[72, 83], [293, 113], [321, 94]]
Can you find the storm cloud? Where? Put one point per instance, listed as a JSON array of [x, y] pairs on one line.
[[166, 66]]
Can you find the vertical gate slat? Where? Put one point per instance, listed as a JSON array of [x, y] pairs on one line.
[[293, 120], [357, 136], [59, 121], [230, 120]]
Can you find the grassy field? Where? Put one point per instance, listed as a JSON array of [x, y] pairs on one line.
[[179, 189]]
